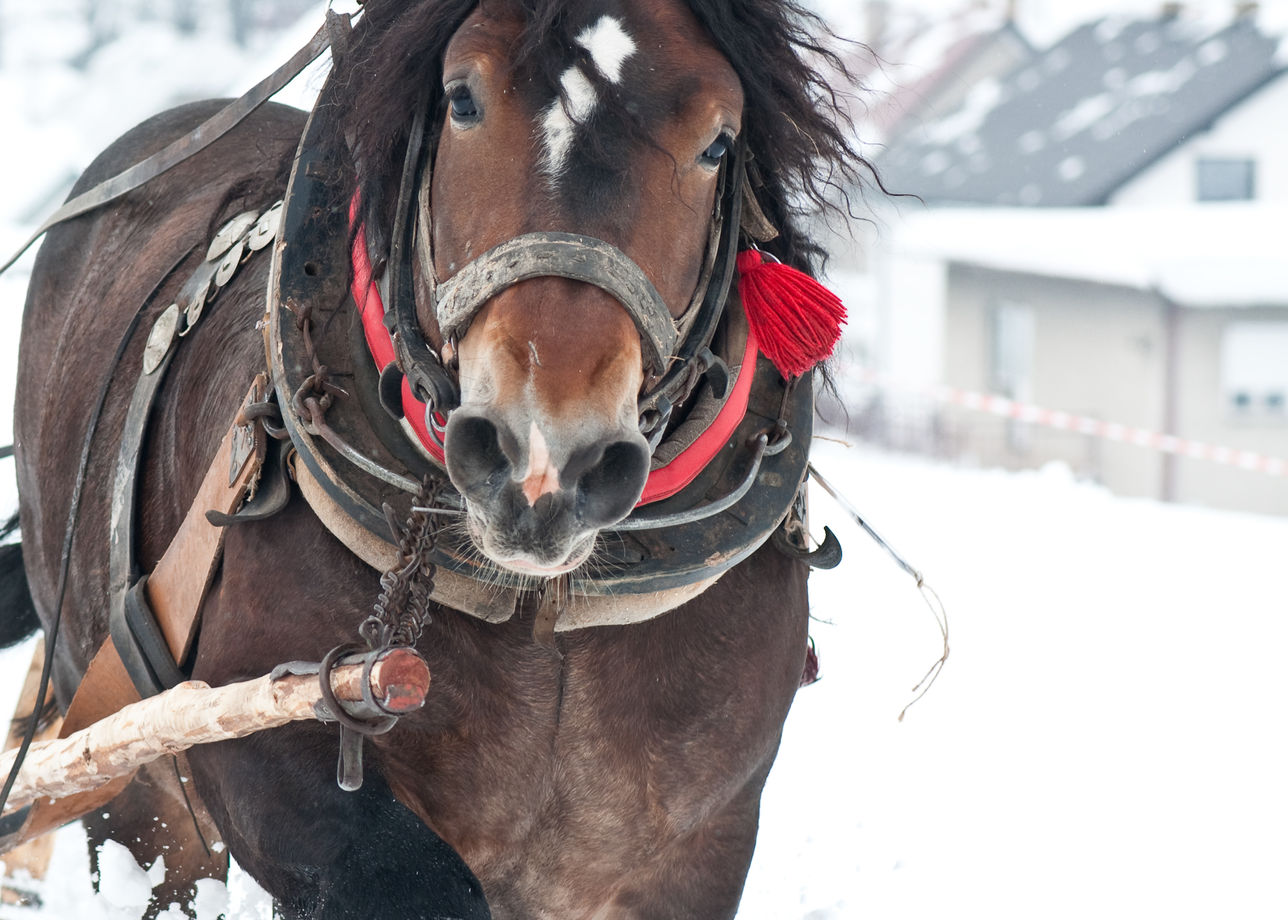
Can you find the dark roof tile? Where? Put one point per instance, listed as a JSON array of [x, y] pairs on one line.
[[1079, 120]]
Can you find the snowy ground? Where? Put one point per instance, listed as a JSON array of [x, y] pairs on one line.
[[1106, 740]]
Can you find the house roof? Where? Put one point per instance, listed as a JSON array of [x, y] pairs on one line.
[[1229, 254], [1076, 122], [917, 62]]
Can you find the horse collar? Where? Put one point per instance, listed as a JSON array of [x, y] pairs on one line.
[[722, 481]]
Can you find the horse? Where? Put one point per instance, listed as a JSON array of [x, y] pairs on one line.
[[582, 770]]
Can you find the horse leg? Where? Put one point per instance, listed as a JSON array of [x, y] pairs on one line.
[[700, 875], [326, 854], [155, 817]]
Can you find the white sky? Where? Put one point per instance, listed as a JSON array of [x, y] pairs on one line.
[[1043, 21]]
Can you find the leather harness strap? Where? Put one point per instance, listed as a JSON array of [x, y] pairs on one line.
[[175, 591], [181, 579], [563, 255]]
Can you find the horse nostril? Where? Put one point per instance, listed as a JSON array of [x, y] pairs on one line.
[[476, 460], [609, 489]]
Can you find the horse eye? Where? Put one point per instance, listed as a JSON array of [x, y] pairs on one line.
[[464, 108], [712, 156]]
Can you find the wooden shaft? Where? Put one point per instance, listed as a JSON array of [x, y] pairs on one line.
[[196, 713]]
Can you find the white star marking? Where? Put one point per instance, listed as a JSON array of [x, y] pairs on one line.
[[609, 46]]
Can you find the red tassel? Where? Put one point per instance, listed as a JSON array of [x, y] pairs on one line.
[[796, 320]]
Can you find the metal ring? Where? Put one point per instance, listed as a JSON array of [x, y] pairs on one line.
[[377, 726]]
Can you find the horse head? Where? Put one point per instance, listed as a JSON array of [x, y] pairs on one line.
[[611, 145]]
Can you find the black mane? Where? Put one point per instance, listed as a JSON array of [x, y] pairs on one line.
[[799, 134]]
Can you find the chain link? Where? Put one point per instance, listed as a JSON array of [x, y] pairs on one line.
[[403, 608]]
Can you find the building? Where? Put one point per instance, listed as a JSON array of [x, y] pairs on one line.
[[1103, 235]]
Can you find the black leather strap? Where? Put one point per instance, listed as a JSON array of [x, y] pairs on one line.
[[140, 643]]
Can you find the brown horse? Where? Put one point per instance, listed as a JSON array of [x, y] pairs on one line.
[[617, 775]]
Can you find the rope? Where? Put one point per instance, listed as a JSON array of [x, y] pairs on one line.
[[927, 593]]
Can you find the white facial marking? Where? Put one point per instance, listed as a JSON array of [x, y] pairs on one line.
[[541, 477], [608, 46]]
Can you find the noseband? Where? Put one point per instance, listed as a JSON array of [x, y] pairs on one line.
[[458, 300], [563, 255]]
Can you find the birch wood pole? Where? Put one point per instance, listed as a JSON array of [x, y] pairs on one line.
[[195, 713]]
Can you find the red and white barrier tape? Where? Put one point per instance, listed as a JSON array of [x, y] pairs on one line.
[[1098, 428], [1112, 431]]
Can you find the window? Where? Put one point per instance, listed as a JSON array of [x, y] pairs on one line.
[[1226, 179], [1014, 333], [1014, 329], [1254, 371]]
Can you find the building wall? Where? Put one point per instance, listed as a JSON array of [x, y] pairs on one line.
[[1102, 351], [1245, 131], [1098, 350], [1205, 415]]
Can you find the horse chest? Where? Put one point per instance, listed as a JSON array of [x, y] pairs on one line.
[[559, 781]]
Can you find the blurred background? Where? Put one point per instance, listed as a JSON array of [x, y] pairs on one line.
[[1062, 394], [1093, 270]]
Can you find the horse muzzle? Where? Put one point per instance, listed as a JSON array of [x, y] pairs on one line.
[[536, 501]]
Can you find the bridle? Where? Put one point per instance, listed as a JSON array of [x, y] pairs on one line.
[[675, 354]]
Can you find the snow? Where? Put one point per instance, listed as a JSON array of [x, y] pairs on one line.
[[1106, 739], [124, 886], [1212, 52], [1100, 743], [1163, 82], [1032, 141], [1210, 254], [1070, 168], [980, 102], [1083, 115]]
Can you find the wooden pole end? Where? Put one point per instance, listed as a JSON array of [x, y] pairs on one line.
[[400, 681]]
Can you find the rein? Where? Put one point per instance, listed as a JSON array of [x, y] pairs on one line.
[[333, 33], [64, 564]]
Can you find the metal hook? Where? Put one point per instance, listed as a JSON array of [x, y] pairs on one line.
[[827, 556]]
